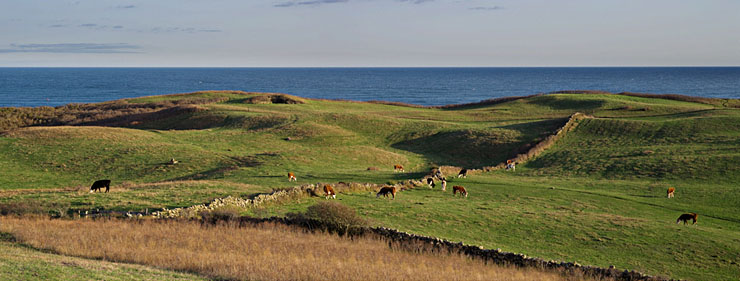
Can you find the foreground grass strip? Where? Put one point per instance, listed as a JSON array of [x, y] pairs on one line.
[[264, 252], [23, 263]]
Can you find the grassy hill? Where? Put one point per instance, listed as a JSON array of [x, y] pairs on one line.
[[597, 196]]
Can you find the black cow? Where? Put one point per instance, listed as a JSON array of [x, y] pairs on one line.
[[430, 182], [97, 185], [463, 173]]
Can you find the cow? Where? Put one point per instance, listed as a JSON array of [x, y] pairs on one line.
[[430, 182], [97, 185], [463, 173], [457, 188], [444, 184], [686, 217], [387, 190], [510, 165], [291, 177], [329, 192], [438, 174], [670, 192], [398, 168]]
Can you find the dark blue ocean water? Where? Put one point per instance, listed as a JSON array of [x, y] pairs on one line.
[[424, 86]]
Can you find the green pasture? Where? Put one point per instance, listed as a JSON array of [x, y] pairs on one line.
[[626, 223], [596, 197]]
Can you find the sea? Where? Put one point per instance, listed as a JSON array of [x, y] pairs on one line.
[[31, 87]]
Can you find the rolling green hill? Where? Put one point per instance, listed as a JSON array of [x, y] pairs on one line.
[[597, 196]]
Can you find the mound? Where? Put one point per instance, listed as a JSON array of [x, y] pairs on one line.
[[274, 98], [700, 148], [80, 133], [467, 148]]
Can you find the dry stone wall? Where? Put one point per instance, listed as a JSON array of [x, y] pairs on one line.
[[276, 196]]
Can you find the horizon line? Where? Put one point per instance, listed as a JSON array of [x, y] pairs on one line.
[[551, 66]]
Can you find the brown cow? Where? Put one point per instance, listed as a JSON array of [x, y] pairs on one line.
[[670, 192], [386, 190], [686, 217], [398, 168], [291, 177], [329, 192], [457, 188]]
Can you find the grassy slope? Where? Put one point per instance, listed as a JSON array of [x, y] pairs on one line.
[[626, 223], [23, 263], [607, 197]]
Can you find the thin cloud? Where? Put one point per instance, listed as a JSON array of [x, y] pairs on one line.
[[415, 1], [172, 29], [308, 3], [75, 48], [125, 7], [286, 4], [180, 30], [492, 8]]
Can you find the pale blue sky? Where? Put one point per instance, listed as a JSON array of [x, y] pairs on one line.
[[369, 33]]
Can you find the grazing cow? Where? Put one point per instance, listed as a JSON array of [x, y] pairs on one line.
[[444, 184], [398, 168], [387, 190], [463, 173], [329, 192], [457, 188], [97, 185], [670, 192], [686, 217], [291, 177], [430, 182], [510, 165], [438, 174]]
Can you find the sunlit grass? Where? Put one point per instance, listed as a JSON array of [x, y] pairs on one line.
[[263, 252]]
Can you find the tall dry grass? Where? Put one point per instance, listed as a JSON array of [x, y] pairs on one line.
[[260, 252]]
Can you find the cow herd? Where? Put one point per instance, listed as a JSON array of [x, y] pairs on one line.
[[684, 217], [391, 190], [387, 191]]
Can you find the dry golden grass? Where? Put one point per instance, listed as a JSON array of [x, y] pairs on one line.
[[262, 252]]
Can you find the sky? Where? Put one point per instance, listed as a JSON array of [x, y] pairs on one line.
[[368, 33]]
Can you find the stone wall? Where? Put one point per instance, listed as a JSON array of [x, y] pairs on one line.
[[277, 196]]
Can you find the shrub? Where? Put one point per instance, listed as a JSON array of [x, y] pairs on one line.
[[53, 209], [225, 213], [20, 208], [274, 98], [335, 216]]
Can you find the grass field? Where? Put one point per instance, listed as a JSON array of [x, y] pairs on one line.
[[264, 252], [19, 262], [596, 197]]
